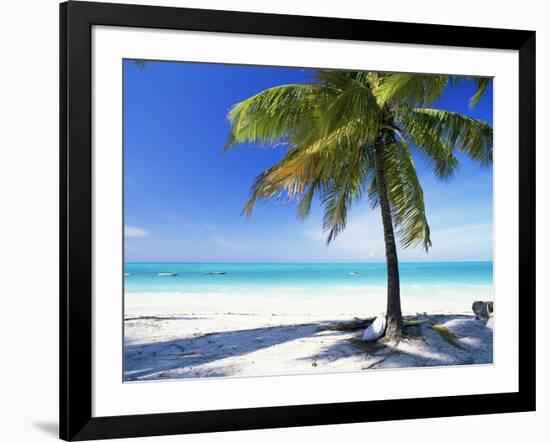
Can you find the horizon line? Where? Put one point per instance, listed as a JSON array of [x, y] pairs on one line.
[[303, 262]]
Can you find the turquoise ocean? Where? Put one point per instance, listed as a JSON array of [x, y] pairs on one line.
[[453, 284]]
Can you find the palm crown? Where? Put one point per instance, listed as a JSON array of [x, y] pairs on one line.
[[332, 126], [350, 137]]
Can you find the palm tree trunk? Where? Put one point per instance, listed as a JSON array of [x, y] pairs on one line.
[[394, 318]]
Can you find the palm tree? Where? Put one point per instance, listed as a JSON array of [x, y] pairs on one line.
[[349, 138]]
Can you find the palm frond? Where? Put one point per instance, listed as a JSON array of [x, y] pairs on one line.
[[356, 102], [410, 90], [342, 189], [328, 162], [271, 116], [329, 150], [468, 135], [406, 196], [431, 146], [286, 179], [344, 97], [482, 85], [304, 207]]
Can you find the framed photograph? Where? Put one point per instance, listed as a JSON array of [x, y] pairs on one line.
[[272, 221]]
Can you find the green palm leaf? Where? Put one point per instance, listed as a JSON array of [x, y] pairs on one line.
[[482, 85], [287, 179], [431, 146], [272, 115], [468, 135], [406, 197], [345, 186], [345, 98], [409, 90]]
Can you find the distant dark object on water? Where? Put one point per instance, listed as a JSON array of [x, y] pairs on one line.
[[167, 274], [355, 273], [214, 273], [482, 309]]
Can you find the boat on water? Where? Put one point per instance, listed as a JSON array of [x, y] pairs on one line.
[[214, 273], [167, 274], [356, 273]]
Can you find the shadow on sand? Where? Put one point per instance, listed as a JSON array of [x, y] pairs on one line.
[[149, 361], [422, 346]]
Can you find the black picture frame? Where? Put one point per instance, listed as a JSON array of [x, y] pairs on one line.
[[76, 21]]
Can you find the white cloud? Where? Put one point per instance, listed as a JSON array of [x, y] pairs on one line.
[[135, 232]]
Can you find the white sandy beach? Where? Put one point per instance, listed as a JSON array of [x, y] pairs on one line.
[[258, 343]]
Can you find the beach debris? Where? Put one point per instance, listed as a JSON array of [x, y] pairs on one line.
[[356, 273], [153, 318], [482, 309], [447, 335], [214, 273], [413, 327], [376, 329], [167, 274], [356, 324], [414, 322]]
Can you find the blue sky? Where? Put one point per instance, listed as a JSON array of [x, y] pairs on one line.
[[184, 196]]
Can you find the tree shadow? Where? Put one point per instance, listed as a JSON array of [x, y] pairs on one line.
[[421, 347], [343, 348], [150, 361], [177, 358]]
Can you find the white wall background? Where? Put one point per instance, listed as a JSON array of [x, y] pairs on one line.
[[29, 216]]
